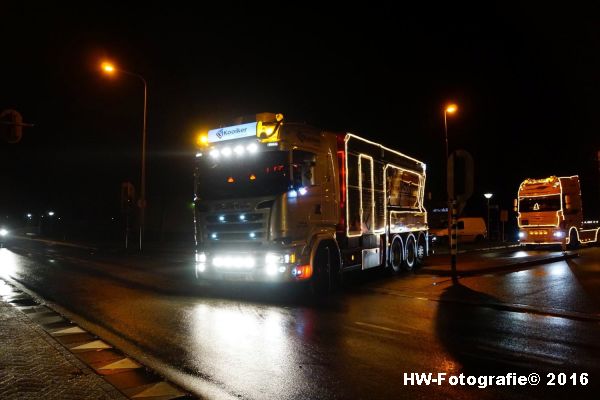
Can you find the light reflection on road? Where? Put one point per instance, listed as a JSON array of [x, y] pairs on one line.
[[8, 262], [243, 343]]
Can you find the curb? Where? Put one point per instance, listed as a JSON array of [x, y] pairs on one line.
[[499, 268], [123, 376]]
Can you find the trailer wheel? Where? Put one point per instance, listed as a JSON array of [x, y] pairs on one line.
[[396, 253], [411, 253], [573, 241], [421, 250]]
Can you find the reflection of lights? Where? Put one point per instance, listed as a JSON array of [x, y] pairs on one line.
[[558, 269], [8, 262], [520, 254]]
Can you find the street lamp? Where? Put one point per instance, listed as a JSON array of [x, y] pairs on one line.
[[110, 69], [450, 109], [488, 196]]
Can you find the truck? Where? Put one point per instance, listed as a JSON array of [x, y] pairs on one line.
[[283, 201], [550, 212]]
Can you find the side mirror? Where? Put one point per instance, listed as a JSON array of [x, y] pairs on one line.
[[567, 202], [515, 205]]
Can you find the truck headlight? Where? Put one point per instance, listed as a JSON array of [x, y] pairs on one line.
[[3, 232], [521, 234], [559, 234]]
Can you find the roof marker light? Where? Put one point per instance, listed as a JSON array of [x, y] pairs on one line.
[[252, 148]]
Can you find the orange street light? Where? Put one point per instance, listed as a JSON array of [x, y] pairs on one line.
[[451, 108], [107, 67], [110, 68]]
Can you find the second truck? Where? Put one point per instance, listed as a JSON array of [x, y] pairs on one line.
[[550, 212]]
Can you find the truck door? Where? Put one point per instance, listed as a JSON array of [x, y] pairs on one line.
[[304, 199]]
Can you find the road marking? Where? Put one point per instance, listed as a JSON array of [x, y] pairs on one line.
[[383, 328], [126, 363], [519, 356], [95, 345], [161, 389], [69, 331]]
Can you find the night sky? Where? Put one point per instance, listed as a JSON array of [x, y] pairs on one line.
[[526, 79]]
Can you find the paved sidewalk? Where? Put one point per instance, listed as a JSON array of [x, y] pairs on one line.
[[469, 265], [33, 365]]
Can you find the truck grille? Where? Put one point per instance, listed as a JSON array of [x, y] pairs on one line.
[[238, 227]]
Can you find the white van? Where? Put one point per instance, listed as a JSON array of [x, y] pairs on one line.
[[469, 229]]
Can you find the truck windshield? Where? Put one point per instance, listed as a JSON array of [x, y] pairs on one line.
[[533, 204], [263, 174]]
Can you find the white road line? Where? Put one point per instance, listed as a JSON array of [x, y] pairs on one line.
[[383, 328]]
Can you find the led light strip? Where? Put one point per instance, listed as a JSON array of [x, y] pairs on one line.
[[360, 185], [420, 195]]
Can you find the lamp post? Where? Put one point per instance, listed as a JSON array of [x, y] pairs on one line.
[[488, 196], [450, 109], [110, 69]]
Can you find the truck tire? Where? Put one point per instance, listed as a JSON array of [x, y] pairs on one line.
[[411, 253], [396, 254], [326, 270], [573, 241], [421, 251]]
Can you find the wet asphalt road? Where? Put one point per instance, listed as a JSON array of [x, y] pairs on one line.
[[260, 342]]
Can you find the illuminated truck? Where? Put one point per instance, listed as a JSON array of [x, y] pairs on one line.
[[550, 213], [282, 201]]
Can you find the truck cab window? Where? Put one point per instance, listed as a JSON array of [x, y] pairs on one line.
[[303, 168]]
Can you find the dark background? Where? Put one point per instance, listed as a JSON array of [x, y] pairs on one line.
[[526, 79]]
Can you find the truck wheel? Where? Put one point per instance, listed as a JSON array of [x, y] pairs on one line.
[[421, 250], [325, 272], [411, 253], [573, 241], [396, 253]]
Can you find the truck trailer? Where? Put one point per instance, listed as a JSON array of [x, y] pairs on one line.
[[550, 212], [287, 202]]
